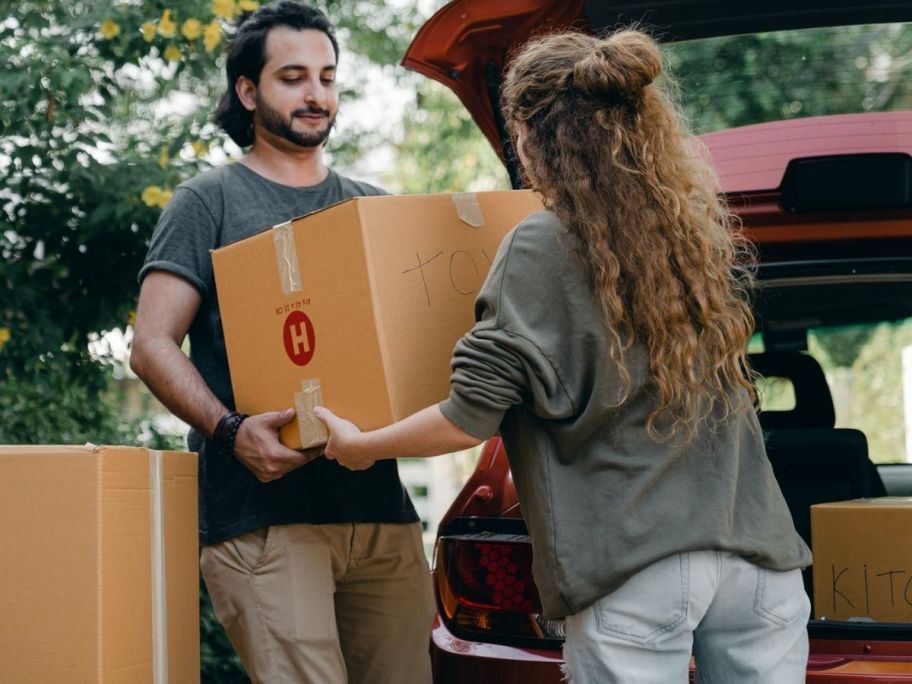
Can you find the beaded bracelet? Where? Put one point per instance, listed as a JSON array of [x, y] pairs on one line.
[[226, 430], [232, 433], [221, 428]]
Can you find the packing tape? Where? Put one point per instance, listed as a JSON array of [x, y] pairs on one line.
[[312, 430], [159, 603], [286, 258], [468, 209]]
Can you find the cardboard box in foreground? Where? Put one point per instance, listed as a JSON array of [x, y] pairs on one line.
[[99, 565], [863, 559], [364, 300]]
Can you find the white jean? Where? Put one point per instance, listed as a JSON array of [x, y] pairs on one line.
[[744, 625]]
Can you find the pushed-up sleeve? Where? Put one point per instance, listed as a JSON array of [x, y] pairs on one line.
[[504, 361]]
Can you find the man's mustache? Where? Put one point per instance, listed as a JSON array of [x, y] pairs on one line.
[[310, 110]]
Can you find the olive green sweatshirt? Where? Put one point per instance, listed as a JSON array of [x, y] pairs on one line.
[[602, 500]]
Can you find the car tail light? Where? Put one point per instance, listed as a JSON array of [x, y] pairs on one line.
[[486, 589]]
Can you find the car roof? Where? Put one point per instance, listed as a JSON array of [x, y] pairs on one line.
[[466, 44]]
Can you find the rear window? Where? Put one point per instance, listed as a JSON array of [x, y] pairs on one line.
[[775, 393], [754, 78]]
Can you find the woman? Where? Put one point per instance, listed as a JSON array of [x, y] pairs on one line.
[[610, 353]]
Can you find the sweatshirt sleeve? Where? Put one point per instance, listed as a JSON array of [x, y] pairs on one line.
[[504, 361]]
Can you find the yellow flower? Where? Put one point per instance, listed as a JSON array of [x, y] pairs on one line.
[[131, 318], [165, 197], [248, 5], [109, 29], [192, 29], [163, 157], [148, 31], [167, 27], [4, 337], [151, 195], [223, 8], [199, 147], [212, 35], [173, 53]]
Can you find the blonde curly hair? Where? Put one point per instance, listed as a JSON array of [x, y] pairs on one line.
[[606, 147]]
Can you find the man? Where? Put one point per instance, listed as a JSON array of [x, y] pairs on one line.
[[317, 573]]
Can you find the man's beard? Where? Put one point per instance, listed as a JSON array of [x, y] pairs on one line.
[[271, 119]]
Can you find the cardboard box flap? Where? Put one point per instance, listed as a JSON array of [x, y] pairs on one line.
[[899, 502]]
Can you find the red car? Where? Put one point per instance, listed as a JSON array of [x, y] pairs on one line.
[[828, 201]]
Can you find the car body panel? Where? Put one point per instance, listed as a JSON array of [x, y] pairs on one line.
[[750, 162], [457, 661], [754, 158]]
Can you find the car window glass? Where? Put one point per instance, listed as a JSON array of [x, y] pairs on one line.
[[868, 368], [738, 80], [775, 394]]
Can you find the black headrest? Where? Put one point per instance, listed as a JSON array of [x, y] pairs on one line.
[[813, 401]]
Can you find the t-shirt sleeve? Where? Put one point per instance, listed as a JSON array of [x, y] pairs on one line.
[[182, 240], [501, 363]]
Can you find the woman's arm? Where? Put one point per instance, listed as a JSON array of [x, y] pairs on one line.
[[426, 433]]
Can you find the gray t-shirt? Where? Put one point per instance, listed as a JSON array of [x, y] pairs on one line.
[[218, 207], [602, 500]]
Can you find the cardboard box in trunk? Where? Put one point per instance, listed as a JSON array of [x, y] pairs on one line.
[[863, 559], [99, 565], [358, 305]]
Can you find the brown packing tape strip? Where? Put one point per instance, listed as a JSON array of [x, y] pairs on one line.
[[286, 258], [312, 430], [468, 209]]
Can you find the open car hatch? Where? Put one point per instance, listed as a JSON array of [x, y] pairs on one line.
[[465, 45]]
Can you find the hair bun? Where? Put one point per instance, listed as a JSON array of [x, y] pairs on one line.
[[623, 63]]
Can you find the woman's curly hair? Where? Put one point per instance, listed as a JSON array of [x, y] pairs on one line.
[[607, 149]]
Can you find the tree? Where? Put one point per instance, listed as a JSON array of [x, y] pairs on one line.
[[442, 150], [90, 151], [104, 109]]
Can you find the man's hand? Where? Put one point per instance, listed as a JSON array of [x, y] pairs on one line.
[[257, 446], [344, 443]]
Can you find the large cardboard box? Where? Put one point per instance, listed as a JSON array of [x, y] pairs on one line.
[[863, 559], [361, 303], [99, 565]]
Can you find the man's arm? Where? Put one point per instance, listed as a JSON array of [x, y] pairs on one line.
[[167, 306]]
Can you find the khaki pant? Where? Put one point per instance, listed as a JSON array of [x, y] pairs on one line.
[[325, 604]]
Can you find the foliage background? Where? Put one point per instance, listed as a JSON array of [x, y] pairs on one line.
[[104, 108]]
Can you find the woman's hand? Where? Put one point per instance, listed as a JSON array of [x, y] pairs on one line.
[[425, 433], [345, 443]]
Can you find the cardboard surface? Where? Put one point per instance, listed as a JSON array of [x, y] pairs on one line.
[[368, 297], [863, 559], [76, 528]]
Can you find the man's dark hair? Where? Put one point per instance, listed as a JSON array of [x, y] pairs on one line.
[[247, 55]]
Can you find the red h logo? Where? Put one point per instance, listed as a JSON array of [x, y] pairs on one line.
[[299, 339]]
